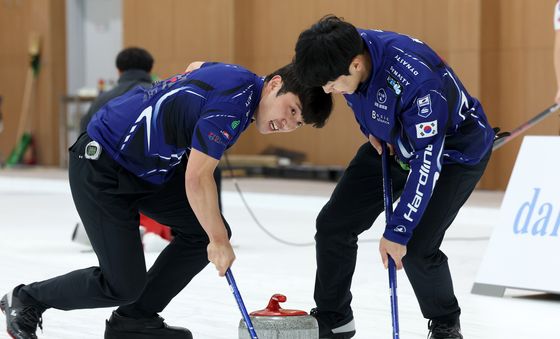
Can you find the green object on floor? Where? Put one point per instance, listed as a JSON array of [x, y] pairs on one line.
[[18, 152]]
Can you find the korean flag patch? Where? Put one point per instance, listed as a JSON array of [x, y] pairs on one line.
[[426, 129]]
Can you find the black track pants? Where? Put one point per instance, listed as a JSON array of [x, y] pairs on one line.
[[353, 207], [108, 199]]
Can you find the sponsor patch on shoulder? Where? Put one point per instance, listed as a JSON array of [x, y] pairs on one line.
[[226, 134], [426, 129], [215, 138], [424, 106]]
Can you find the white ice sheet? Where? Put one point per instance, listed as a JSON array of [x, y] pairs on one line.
[[37, 217]]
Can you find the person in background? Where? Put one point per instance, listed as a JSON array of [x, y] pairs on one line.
[[404, 94], [134, 65], [154, 151]]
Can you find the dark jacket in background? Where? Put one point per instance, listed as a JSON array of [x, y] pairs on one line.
[[127, 81]]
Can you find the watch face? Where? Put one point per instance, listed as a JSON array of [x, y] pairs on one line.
[[91, 150]]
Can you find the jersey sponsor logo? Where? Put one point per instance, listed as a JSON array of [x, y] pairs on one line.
[[380, 117], [399, 76], [400, 229], [424, 106], [394, 85], [220, 116], [381, 96], [226, 135], [426, 129], [424, 172], [162, 85], [234, 124], [215, 138], [380, 106], [248, 102], [406, 64]]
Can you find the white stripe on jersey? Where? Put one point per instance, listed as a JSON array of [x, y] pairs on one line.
[[242, 92], [220, 116], [198, 95]]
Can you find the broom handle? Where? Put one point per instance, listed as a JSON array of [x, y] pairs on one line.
[[26, 103]]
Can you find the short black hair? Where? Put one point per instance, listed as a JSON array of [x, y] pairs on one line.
[[316, 105], [325, 50], [134, 58]]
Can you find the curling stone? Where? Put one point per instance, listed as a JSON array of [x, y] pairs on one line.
[[275, 322]]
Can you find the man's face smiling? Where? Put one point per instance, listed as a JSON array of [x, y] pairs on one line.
[[278, 113]]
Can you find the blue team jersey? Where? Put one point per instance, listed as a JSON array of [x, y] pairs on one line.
[[148, 131], [415, 102]]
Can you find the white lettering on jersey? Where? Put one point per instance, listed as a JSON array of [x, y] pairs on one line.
[[399, 76], [413, 58], [422, 181], [400, 229], [382, 118], [381, 96], [406, 64]]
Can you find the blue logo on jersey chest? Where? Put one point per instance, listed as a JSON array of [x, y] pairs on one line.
[[394, 85]]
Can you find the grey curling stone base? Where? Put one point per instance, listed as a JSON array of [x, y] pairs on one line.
[[295, 327]]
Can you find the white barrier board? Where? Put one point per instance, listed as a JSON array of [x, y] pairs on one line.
[[524, 250]]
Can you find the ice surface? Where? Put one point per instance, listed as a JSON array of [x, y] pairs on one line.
[[38, 215]]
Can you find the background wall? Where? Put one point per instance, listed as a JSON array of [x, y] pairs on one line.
[[94, 38], [522, 83], [19, 18], [178, 32], [501, 49]]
